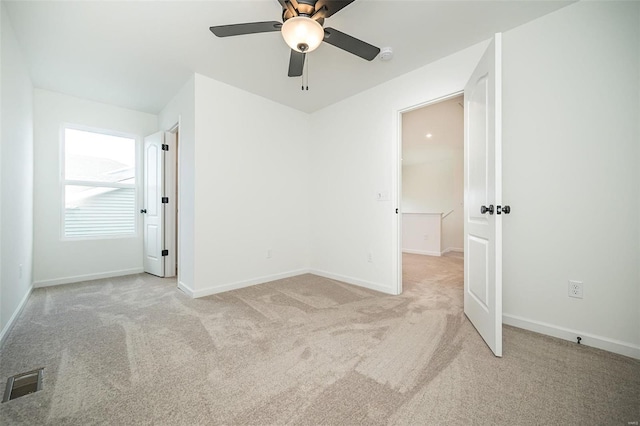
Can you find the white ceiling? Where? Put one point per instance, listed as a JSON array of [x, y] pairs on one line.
[[137, 54], [444, 121]]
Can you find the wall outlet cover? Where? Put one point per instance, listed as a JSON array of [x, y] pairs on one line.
[[576, 289]]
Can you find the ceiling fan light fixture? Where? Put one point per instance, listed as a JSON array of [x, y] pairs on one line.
[[302, 34]]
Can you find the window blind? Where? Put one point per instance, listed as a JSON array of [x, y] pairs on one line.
[[111, 212]]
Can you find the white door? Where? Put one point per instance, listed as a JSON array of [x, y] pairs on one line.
[[483, 193], [153, 209]]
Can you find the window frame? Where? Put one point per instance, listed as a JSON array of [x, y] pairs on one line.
[[63, 182]]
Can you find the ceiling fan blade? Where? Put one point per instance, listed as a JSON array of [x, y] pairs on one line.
[[248, 28], [331, 6], [350, 44], [296, 63]]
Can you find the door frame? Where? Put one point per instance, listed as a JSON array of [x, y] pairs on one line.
[[397, 229], [174, 217]]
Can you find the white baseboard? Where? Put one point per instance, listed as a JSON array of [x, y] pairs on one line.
[[354, 281], [88, 277], [433, 253], [261, 280], [422, 252], [588, 339], [240, 284], [9, 325], [453, 249], [185, 289]]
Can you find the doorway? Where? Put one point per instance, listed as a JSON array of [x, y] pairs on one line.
[[160, 209], [432, 198], [433, 179], [428, 152], [171, 189], [482, 196]]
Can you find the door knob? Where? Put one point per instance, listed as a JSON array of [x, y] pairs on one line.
[[503, 209], [485, 209], [143, 210]]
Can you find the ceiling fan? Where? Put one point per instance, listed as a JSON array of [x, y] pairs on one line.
[[302, 30]]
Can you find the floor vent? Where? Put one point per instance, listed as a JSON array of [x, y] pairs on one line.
[[23, 384]]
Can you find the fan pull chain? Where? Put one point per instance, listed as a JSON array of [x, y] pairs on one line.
[[305, 70]]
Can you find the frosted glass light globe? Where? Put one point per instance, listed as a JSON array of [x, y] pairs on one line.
[[302, 34]]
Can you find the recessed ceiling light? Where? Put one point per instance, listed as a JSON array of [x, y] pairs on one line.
[[428, 135]]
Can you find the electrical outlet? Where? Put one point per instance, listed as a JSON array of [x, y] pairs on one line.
[[370, 257], [426, 237], [269, 253], [575, 289]]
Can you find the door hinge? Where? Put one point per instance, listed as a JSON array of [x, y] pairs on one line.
[[165, 252], [396, 211], [165, 147], [165, 200]]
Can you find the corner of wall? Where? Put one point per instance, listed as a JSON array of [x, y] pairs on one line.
[[6, 328], [16, 176]]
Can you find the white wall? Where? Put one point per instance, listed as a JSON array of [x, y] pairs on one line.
[[57, 261], [422, 233], [355, 155], [251, 188], [16, 200], [428, 187], [571, 154], [438, 187], [182, 109]]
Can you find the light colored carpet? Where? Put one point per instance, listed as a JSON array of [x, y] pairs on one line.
[[304, 350]]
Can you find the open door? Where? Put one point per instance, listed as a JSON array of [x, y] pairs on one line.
[[483, 196], [153, 209]]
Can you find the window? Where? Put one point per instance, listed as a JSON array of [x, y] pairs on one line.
[[99, 184]]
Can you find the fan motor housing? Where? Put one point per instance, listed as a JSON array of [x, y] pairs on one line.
[[305, 8]]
